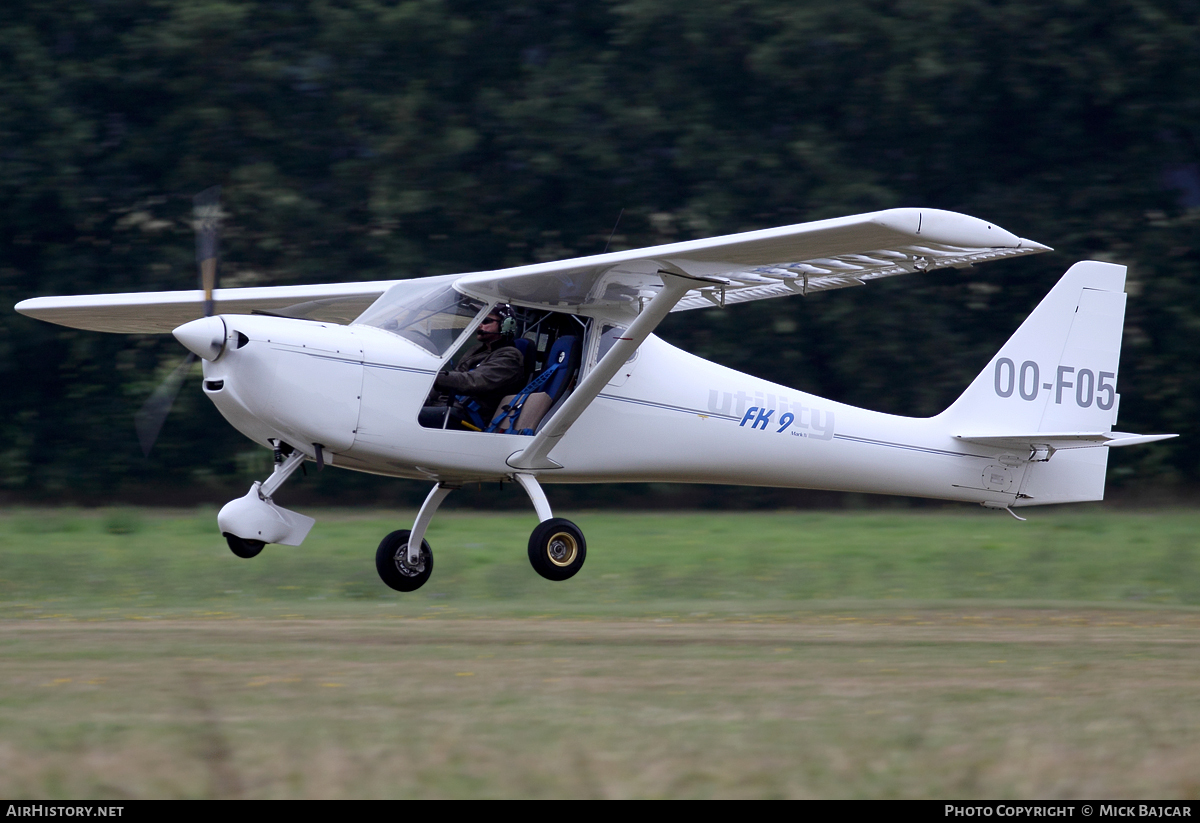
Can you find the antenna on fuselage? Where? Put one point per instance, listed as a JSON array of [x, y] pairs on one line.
[[613, 233]]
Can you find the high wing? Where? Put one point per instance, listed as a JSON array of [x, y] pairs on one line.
[[798, 259], [163, 311]]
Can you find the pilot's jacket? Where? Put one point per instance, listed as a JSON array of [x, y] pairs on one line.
[[486, 373]]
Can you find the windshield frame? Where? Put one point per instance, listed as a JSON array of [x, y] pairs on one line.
[[412, 314]]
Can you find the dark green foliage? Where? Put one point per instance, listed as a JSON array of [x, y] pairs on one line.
[[365, 140]]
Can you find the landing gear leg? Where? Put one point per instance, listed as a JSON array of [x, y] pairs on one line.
[[436, 495], [556, 547], [404, 559]]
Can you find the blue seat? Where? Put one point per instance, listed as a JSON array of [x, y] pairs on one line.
[[564, 358], [525, 346], [522, 412]]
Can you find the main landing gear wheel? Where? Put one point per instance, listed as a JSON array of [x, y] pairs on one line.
[[242, 547], [557, 549], [391, 561]]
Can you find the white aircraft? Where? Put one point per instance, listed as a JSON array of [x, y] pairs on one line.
[[338, 373]]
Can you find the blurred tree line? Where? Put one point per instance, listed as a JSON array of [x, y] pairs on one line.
[[362, 139]]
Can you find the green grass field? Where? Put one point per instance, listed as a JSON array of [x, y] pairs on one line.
[[907, 654]]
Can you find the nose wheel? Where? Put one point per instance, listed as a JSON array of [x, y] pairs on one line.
[[557, 549], [243, 548], [391, 561]]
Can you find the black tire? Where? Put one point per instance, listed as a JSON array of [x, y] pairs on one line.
[[391, 561], [557, 549], [242, 547]]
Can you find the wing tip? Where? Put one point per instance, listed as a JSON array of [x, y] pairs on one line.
[[1026, 243], [951, 228]]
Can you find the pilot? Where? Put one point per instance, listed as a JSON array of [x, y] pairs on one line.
[[467, 396]]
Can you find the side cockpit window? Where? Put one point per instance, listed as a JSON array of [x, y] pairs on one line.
[[546, 348], [433, 321]]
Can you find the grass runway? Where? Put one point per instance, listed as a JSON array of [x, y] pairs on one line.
[[901, 654]]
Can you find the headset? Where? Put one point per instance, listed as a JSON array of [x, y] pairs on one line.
[[508, 321]]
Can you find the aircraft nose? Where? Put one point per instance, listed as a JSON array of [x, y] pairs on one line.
[[204, 337]]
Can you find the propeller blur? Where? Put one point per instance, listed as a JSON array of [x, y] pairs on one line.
[[150, 418]]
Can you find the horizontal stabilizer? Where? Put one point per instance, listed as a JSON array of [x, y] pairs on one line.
[[1062, 440]]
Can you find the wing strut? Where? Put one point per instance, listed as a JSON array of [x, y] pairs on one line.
[[534, 455]]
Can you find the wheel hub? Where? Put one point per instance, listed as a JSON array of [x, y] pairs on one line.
[[402, 566], [562, 549]]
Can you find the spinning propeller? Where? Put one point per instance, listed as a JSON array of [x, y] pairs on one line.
[[206, 215]]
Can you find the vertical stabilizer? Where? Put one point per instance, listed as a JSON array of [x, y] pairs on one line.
[[1056, 375], [1058, 372]]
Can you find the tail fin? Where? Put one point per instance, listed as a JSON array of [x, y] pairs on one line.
[[1057, 375], [1058, 372]]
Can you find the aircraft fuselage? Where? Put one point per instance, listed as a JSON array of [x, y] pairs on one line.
[[668, 416]]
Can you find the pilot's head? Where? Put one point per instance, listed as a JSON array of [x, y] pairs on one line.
[[498, 324]]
